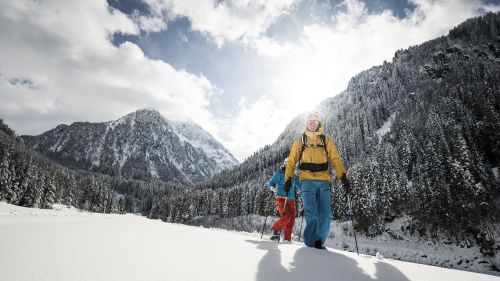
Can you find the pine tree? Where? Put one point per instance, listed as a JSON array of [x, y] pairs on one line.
[[245, 201], [225, 204], [215, 206], [6, 189], [13, 192], [28, 186], [25, 182], [111, 202], [36, 190], [121, 207], [69, 192], [49, 191]]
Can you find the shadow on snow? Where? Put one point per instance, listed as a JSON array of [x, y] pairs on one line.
[[313, 264]]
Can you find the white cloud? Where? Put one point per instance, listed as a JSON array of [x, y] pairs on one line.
[[72, 72], [256, 125], [154, 23], [223, 21]]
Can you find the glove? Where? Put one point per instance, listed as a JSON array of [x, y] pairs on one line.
[[273, 188], [345, 183], [287, 186]]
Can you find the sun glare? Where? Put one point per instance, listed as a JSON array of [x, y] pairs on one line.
[[305, 80]]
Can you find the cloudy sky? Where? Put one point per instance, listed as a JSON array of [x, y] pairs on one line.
[[242, 69]]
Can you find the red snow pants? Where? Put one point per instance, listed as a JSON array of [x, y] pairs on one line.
[[286, 220]]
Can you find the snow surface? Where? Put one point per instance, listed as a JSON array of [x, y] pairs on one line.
[[386, 127], [66, 244], [395, 242]]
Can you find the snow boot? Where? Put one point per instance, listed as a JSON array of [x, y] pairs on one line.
[[319, 245], [275, 236]]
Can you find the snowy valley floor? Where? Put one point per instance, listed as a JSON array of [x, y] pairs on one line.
[[66, 244], [394, 243]]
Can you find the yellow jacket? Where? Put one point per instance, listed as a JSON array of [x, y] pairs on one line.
[[315, 155]]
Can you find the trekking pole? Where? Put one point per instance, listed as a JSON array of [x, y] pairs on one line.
[[301, 223], [265, 221], [352, 221], [263, 226], [284, 207]]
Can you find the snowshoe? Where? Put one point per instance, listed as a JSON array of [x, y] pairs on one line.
[[275, 237]]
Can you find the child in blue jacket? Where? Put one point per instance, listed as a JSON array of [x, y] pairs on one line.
[[287, 218]]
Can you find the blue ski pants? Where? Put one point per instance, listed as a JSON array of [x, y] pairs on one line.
[[317, 210]]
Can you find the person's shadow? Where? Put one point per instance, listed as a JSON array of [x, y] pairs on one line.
[[316, 265], [270, 267]]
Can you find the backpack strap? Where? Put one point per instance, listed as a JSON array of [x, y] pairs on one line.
[[323, 141], [304, 145]]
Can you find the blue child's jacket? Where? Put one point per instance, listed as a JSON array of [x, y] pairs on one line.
[[279, 179]]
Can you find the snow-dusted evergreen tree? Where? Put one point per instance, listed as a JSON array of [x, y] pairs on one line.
[[69, 191], [121, 206], [6, 188], [26, 180], [36, 190], [216, 204], [49, 192], [246, 201]]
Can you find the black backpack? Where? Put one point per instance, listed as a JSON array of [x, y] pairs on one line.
[[313, 167]]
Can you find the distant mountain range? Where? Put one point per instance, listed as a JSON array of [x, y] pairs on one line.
[[141, 145]]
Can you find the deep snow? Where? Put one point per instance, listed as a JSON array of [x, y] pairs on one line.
[[66, 244], [395, 242]]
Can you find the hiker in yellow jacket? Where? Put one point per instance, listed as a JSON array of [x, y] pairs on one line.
[[312, 151]]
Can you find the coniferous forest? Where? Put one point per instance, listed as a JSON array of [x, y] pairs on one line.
[[437, 162]]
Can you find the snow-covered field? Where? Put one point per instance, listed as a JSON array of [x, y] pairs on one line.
[[397, 244], [66, 244], [394, 243]]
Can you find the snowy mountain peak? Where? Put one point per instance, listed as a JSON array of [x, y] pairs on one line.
[[141, 145], [193, 134], [146, 114]]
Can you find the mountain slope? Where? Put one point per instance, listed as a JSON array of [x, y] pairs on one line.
[[89, 246], [193, 134], [30, 179], [141, 145]]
